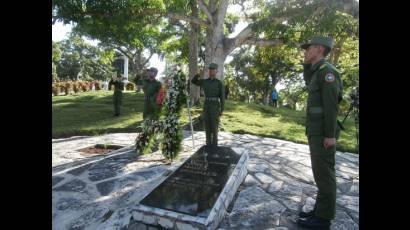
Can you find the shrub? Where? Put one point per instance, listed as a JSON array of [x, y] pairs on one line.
[[62, 86], [76, 87], [68, 87], [130, 86], [97, 85], [56, 89], [84, 86]]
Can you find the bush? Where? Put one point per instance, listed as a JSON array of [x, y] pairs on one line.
[[62, 86], [56, 89], [97, 85], [76, 87], [130, 86], [84, 87], [68, 87]]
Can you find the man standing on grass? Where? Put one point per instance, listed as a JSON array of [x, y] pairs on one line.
[[214, 103], [151, 88], [324, 94], [117, 97], [274, 98]]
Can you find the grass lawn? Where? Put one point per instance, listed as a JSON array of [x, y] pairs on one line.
[[91, 113]]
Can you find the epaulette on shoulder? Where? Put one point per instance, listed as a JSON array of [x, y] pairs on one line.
[[328, 65], [322, 66]]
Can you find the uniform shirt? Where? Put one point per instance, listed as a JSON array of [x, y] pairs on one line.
[[150, 88], [324, 94], [138, 80], [212, 88], [274, 95], [118, 85]]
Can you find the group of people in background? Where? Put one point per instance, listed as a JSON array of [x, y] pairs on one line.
[[154, 92], [154, 95]]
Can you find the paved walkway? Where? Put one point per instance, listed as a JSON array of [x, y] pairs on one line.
[[98, 192]]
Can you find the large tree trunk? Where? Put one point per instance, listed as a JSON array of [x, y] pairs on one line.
[[215, 38], [193, 55]]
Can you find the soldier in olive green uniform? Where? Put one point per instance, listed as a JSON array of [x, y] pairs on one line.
[[214, 103], [324, 94], [151, 88], [117, 98]]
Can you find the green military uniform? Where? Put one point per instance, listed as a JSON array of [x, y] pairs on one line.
[[117, 98], [150, 89], [324, 94], [213, 106], [138, 82]]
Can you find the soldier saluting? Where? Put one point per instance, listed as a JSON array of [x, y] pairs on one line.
[[214, 103], [324, 94], [151, 87], [117, 97]]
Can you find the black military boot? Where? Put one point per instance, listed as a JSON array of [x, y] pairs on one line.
[[306, 214], [314, 222]]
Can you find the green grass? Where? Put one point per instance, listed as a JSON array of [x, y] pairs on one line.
[[280, 123], [91, 113]]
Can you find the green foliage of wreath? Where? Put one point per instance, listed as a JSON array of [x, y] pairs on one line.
[[168, 129]]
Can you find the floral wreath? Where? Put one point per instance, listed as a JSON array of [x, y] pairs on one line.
[[168, 129]]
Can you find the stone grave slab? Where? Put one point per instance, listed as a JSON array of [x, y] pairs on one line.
[[198, 193]]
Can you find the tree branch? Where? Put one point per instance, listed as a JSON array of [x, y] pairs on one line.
[[243, 9], [187, 18], [262, 42], [123, 52], [148, 58], [178, 23], [348, 6], [154, 12], [204, 9], [117, 47], [231, 43], [247, 32]]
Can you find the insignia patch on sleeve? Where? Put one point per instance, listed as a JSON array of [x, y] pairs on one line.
[[329, 77]]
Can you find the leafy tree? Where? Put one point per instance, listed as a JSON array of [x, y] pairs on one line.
[[116, 17], [80, 60], [56, 56]]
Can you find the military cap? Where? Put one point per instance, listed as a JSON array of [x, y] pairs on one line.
[[213, 66], [319, 40], [153, 69]]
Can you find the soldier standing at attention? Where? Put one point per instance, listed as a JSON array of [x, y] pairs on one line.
[[117, 97], [151, 88], [214, 103], [324, 94]]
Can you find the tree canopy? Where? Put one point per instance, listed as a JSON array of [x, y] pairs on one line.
[[266, 52]]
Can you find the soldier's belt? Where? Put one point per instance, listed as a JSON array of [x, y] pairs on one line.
[[315, 109], [212, 98]]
